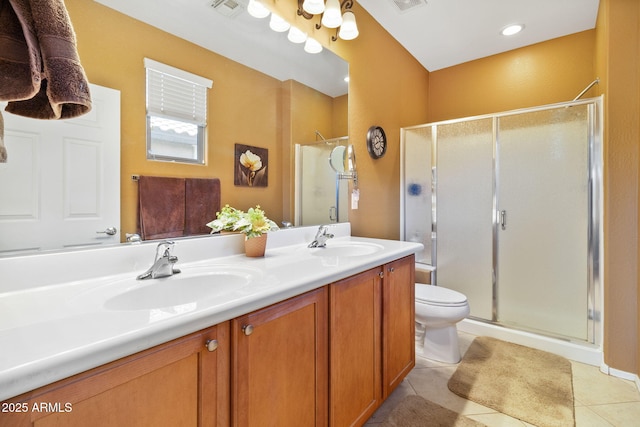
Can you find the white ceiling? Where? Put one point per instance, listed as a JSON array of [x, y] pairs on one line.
[[443, 33], [438, 33]]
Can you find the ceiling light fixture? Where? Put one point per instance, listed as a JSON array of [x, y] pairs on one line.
[[296, 35], [312, 46], [277, 24], [314, 7], [332, 16], [510, 30], [257, 9]]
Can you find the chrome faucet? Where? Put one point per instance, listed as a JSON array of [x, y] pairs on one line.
[[322, 235], [163, 263]]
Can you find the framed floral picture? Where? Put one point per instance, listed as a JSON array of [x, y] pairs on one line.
[[250, 168]]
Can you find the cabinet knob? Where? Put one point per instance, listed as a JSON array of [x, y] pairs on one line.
[[247, 329], [211, 345], [392, 269], [381, 274]]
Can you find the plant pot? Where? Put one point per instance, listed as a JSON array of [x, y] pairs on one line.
[[255, 246]]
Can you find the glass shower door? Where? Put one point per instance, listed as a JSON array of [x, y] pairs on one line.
[[417, 195], [543, 220], [464, 193]]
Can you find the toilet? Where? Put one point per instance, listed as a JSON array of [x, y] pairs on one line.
[[438, 309]]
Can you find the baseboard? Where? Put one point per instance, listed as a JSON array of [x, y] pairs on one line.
[[604, 368]]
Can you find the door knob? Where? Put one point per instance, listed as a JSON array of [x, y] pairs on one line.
[[211, 345], [503, 219], [111, 231]]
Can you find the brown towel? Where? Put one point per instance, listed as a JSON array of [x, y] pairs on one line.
[[40, 70], [3, 150], [161, 207], [20, 59], [202, 201]]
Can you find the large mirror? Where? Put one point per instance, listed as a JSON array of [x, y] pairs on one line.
[[237, 36]]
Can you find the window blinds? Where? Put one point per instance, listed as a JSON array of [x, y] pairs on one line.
[[177, 94]]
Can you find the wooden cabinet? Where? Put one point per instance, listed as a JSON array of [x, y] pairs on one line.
[[398, 322], [355, 339], [180, 383], [371, 330], [280, 365]]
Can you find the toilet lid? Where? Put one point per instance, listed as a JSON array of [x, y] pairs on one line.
[[439, 295]]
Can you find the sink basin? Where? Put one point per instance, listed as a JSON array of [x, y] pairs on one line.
[[347, 249], [182, 288]]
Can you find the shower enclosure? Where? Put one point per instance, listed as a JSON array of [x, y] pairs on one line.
[[320, 195], [508, 208]]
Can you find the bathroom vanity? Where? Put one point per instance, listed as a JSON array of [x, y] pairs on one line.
[[306, 336]]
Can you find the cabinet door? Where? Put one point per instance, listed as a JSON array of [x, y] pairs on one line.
[[354, 325], [280, 365], [398, 324], [180, 383]]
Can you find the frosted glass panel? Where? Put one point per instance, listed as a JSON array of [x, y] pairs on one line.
[[465, 212], [417, 189], [542, 250]]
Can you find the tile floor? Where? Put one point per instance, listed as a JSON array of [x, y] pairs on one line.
[[600, 400]]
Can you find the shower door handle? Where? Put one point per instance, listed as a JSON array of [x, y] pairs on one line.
[[503, 219], [333, 214]]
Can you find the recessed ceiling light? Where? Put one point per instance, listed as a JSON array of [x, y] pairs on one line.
[[512, 29]]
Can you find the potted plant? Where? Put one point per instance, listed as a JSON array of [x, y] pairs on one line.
[[254, 224]]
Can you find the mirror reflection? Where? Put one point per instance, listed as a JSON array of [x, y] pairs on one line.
[[247, 58], [321, 192]]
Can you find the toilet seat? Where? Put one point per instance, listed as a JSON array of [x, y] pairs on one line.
[[436, 295]]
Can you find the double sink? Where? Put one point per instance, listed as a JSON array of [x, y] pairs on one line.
[[202, 283]]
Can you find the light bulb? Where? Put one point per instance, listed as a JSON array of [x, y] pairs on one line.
[[314, 7], [348, 29], [512, 29], [257, 9], [278, 24], [312, 46], [332, 16], [296, 35]]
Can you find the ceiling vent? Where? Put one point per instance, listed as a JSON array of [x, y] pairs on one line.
[[229, 8], [407, 5]]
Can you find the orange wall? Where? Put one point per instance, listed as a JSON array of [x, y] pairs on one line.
[[322, 113], [618, 63], [544, 73], [387, 88]]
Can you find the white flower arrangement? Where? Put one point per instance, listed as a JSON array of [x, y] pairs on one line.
[[252, 223]]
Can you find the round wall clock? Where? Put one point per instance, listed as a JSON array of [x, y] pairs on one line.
[[376, 142]]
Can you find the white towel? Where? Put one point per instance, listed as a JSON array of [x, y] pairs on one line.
[[3, 150]]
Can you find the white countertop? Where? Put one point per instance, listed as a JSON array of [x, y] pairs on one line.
[[53, 328]]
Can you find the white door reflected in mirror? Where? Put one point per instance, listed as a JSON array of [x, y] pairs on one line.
[[61, 185]]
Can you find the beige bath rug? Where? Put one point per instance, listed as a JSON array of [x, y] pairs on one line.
[[415, 411], [531, 385]]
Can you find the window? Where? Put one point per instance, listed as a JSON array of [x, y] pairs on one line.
[[176, 113]]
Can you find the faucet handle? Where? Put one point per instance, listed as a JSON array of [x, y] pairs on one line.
[[164, 249]]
